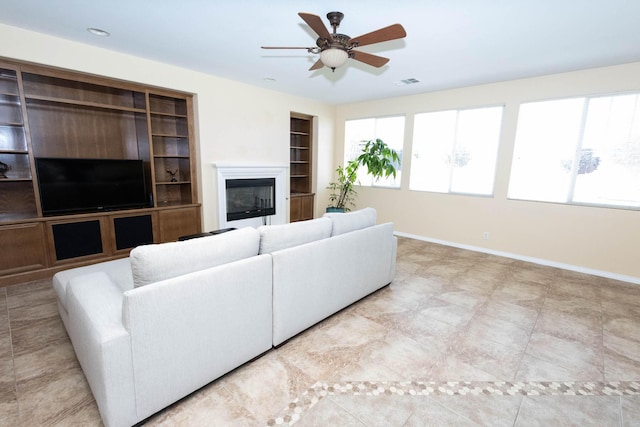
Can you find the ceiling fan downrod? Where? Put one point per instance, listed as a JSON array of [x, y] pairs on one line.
[[334, 19]]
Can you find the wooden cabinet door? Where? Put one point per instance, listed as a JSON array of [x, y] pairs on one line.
[[295, 208], [23, 248], [174, 223], [307, 206], [300, 207]]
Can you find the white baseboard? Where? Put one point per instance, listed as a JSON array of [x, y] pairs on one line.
[[606, 274]]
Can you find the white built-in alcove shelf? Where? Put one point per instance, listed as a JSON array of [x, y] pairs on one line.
[[230, 171]]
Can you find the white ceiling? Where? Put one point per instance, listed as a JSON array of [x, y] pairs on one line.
[[449, 43]]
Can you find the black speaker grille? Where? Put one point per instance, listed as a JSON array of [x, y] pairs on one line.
[[133, 231], [77, 239]]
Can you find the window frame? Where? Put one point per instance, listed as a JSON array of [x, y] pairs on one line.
[[501, 105], [399, 170], [581, 131]]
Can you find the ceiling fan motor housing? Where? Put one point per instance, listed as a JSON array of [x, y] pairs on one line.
[[340, 41]]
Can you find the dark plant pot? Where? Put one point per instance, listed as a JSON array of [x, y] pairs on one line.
[[334, 209]]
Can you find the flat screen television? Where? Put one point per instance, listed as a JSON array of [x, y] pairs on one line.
[[70, 186]]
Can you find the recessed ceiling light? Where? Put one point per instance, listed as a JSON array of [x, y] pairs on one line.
[[405, 82], [98, 32]]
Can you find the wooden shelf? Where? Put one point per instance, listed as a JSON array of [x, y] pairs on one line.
[[15, 180], [60, 87], [167, 106], [164, 135], [13, 217], [172, 183], [14, 152], [169, 135], [158, 113], [9, 82], [83, 103], [9, 92], [169, 156]]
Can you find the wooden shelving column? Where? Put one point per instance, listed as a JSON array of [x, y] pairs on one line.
[[171, 145], [17, 195], [301, 167]]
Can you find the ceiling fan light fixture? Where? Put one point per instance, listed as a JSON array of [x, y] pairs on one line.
[[334, 57]]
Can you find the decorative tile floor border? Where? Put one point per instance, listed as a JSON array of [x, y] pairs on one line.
[[319, 390]]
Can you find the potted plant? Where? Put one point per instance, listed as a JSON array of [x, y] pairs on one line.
[[380, 161], [343, 193]]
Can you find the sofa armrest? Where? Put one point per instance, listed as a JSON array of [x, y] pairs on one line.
[[189, 330], [119, 271], [102, 345]]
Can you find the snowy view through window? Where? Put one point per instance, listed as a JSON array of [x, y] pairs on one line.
[[580, 150], [455, 151]]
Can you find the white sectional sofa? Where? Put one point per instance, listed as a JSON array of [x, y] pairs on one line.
[[154, 327], [311, 281]]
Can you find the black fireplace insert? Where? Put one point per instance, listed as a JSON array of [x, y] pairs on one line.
[[250, 198]]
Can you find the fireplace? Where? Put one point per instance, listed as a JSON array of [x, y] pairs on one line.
[[250, 195], [250, 198]]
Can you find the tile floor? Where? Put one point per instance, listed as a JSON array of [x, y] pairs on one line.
[[459, 338]]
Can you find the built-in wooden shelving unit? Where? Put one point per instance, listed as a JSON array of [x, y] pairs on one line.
[[48, 112], [301, 167]]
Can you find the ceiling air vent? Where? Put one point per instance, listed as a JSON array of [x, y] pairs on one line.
[[405, 82]]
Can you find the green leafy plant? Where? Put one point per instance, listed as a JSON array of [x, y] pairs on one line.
[[343, 193], [380, 161]]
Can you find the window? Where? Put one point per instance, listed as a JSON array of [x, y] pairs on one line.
[[455, 151], [358, 132], [579, 150]]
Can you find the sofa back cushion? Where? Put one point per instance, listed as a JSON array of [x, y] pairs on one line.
[[351, 221], [276, 237], [152, 263]]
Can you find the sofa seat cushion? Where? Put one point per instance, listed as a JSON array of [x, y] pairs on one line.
[[277, 237], [351, 221], [153, 263]]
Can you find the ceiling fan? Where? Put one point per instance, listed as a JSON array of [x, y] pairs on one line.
[[335, 48]]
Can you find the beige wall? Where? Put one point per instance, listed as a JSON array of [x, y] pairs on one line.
[[235, 122], [604, 240], [243, 123]]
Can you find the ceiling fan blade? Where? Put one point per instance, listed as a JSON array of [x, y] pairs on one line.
[[392, 32], [367, 58], [315, 22], [317, 65], [285, 47]]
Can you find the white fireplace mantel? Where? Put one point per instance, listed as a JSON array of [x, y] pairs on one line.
[[227, 171]]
